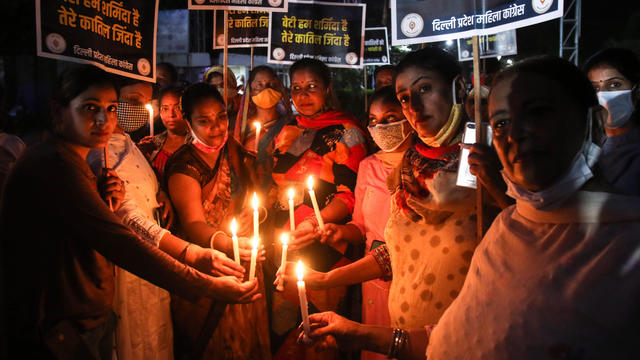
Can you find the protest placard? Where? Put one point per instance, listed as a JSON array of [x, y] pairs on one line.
[[118, 36], [501, 44], [376, 46], [245, 29], [415, 22], [245, 5], [330, 32]]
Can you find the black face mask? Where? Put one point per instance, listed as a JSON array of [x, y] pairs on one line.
[[132, 117]]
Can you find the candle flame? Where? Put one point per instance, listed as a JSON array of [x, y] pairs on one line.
[[310, 182], [254, 243], [290, 193], [284, 239], [149, 108], [234, 227], [254, 201], [257, 125], [300, 270]]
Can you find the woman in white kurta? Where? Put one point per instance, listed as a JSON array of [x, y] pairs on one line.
[[558, 274]]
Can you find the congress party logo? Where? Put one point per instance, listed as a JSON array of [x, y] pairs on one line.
[[144, 67], [275, 3], [278, 53], [412, 25], [55, 43], [541, 6], [351, 58]]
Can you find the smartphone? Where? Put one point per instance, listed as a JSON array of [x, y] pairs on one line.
[[465, 178]]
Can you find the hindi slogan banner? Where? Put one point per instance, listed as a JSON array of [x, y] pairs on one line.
[[421, 21], [117, 36], [500, 44], [376, 46], [245, 5], [330, 32], [245, 29]]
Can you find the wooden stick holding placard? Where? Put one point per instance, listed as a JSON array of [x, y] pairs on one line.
[[479, 132], [226, 48]]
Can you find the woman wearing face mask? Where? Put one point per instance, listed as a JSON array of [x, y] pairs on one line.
[[392, 133], [203, 181], [61, 303], [556, 275], [159, 148], [326, 143], [614, 74], [431, 231], [270, 107]]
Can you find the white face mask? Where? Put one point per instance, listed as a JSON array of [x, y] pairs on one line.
[[619, 105], [389, 137], [555, 195]]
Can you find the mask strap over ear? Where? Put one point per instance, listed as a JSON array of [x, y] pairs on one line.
[[453, 90]]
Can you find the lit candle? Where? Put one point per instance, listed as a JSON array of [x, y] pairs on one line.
[[312, 195], [254, 257], [258, 127], [256, 221], [234, 237], [283, 263], [292, 219], [304, 306], [150, 110]]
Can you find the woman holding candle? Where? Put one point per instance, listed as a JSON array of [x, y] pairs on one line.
[[326, 143], [268, 111], [159, 148], [549, 265], [202, 179], [61, 304]]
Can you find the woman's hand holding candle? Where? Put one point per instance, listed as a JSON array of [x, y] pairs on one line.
[[111, 188], [313, 279], [307, 232], [245, 247], [212, 262]]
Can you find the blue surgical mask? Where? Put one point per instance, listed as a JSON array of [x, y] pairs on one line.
[[619, 105], [555, 195]]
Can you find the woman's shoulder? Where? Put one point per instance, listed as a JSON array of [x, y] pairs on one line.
[[182, 160]]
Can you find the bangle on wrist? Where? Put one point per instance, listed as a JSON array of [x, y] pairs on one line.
[[183, 254], [398, 342], [312, 219], [213, 238]]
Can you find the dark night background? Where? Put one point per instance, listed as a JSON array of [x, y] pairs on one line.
[[604, 24]]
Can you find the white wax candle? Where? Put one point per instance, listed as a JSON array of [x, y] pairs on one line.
[[234, 238], [283, 263], [258, 127], [316, 209], [256, 220], [150, 110], [302, 294], [292, 218], [254, 258]]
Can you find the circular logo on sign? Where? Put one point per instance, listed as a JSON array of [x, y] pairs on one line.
[[278, 53], [144, 67], [199, 2], [55, 43], [384, 58], [220, 39], [412, 25], [351, 58], [275, 3], [465, 53], [541, 6]]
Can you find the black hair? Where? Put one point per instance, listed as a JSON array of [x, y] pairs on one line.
[[575, 82], [385, 94], [315, 66], [124, 82], [176, 91], [75, 80], [623, 60], [319, 68], [196, 93], [391, 68], [171, 70], [432, 59]]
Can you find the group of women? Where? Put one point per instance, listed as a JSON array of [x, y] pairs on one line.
[[554, 277]]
